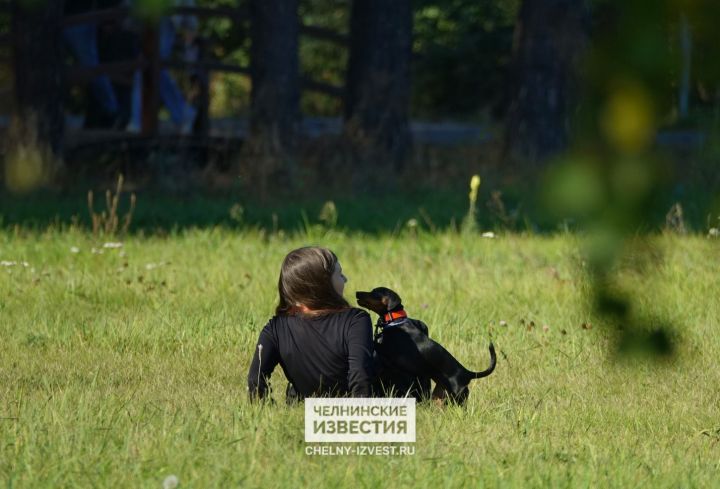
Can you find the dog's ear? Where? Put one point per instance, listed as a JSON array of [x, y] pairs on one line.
[[391, 300]]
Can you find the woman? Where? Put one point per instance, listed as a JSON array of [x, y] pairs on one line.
[[323, 345]]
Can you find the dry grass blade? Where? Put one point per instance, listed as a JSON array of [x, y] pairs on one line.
[[108, 221]]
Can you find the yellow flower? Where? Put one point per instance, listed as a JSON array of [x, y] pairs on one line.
[[474, 185]]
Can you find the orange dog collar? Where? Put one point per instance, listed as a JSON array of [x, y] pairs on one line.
[[393, 315]]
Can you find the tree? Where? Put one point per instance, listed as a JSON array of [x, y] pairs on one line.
[[461, 54], [275, 95], [550, 37], [378, 81], [38, 69]]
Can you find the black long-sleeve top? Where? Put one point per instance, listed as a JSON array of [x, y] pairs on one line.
[[328, 355]]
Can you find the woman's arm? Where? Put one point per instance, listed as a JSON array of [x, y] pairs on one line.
[[361, 373], [265, 358]]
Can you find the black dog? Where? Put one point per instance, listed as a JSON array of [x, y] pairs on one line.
[[409, 358]]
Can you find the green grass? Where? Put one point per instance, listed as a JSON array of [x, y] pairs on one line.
[[435, 208], [117, 371], [159, 212]]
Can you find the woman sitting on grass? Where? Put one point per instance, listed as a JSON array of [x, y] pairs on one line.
[[323, 345]]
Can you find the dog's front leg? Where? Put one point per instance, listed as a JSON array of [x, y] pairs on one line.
[[439, 395]]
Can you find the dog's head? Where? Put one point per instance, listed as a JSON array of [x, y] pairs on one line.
[[379, 300]]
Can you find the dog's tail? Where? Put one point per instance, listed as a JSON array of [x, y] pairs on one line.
[[489, 370]]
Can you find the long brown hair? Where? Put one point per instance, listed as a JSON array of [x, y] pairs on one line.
[[306, 278]]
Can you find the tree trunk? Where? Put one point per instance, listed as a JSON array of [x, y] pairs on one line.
[[378, 83], [275, 96], [38, 56], [550, 37], [685, 66]]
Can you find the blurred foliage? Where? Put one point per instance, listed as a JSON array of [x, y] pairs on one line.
[[462, 49], [151, 10], [322, 60], [613, 174], [229, 43]]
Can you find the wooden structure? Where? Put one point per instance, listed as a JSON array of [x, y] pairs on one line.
[[378, 64], [150, 64]]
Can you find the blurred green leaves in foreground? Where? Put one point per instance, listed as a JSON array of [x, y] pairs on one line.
[[608, 179]]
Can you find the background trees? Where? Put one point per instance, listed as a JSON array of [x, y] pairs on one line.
[[551, 37], [274, 68], [377, 102], [37, 66], [511, 66]]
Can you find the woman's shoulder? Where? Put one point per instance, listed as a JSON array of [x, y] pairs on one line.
[[356, 315], [347, 315], [356, 311], [352, 312], [277, 321]]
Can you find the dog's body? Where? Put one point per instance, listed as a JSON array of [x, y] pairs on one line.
[[409, 358], [391, 343]]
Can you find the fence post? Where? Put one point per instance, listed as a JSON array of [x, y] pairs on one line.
[[202, 122], [150, 79]]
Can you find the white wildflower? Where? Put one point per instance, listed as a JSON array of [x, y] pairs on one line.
[[112, 245], [6, 263], [503, 323], [488, 234], [96, 251], [74, 249], [714, 232], [171, 482]]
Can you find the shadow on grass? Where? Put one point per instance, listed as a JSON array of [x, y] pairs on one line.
[[158, 212]]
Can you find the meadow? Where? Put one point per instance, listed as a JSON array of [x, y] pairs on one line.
[[121, 365]]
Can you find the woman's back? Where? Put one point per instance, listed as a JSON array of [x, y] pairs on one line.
[[327, 355]]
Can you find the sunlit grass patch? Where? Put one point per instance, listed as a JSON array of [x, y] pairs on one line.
[[127, 367]]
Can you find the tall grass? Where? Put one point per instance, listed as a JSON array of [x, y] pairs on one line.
[[122, 366]]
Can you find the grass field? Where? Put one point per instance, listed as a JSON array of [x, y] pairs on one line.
[[120, 368]]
